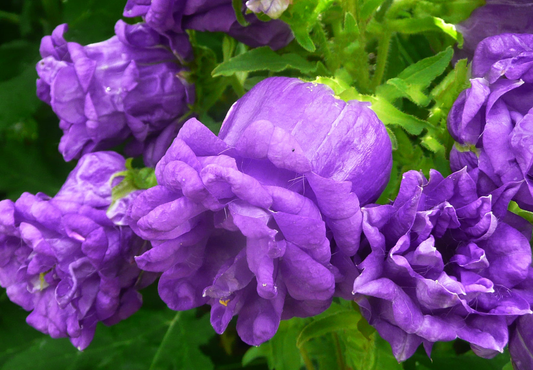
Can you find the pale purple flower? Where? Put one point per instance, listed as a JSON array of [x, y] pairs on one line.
[[442, 262], [272, 8], [176, 16], [128, 87], [62, 259], [492, 121], [244, 221]]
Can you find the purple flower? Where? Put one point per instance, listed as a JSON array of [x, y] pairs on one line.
[[65, 261], [104, 93], [492, 121], [442, 262], [495, 18], [176, 16], [244, 221]]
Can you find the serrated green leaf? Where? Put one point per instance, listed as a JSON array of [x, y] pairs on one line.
[[432, 143], [426, 70], [447, 91], [413, 92], [342, 320], [390, 115], [302, 16], [263, 59]]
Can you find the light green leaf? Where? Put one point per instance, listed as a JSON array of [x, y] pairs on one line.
[[410, 91], [133, 179], [390, 115], [369, 6], [263, 59], [426, 70], [424, 24], [447, 91]]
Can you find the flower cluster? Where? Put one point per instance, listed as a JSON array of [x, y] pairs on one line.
[[125, 87], [444, 262], [65, 261], [173, 17], [242, 221], [492, 121]]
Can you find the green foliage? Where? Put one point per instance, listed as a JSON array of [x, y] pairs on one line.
[[263, 59], [132, 179], [150, 339]]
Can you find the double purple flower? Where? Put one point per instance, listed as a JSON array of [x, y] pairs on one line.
[[128, 87], [245, 221], [65, 261], [173, 17], [492, 121], [444, 262]]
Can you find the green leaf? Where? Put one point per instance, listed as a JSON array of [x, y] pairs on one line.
[[447, 91], [302, 16], [150, 338], [18, 101], [342, 320], [263, 59], [373, 353], [424, 24], [237, 8], [390, 115], [369, 6], [426, 70], [413, 92], [133, 179], [280, 351]]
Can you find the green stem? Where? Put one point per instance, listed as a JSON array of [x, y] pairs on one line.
[[307, 360], [12, 17], [165, 340], [340, 357], [381, 61], [322, 40]]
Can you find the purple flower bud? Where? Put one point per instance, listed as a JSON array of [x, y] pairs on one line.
[[442, 262], [243, 221], [126, 87], [65, 261], [171, 17], [492, 121], [495, 18]]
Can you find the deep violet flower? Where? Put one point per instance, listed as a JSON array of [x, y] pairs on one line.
[[492, 121], [65, 261], [126, 87], [243, 221], [442, 262], [170, 17], [494, 18]]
